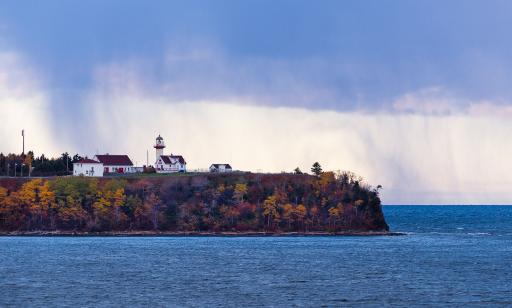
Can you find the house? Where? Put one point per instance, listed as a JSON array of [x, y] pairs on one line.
[[220, 168], [167, 163], [87, 167], [170, 163], [116, 163]]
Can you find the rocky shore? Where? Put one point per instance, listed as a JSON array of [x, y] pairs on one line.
[[191, 234]]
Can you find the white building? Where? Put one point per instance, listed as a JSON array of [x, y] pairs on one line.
[[116, 163], [167, 163], [88, 167], [220, 168]]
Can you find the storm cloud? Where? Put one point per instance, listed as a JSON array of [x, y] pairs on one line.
[[412, 95]]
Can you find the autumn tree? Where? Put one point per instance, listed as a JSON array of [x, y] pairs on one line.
[[230, 213], [71, 214], [46, 201], [300, 213], [29, 158], [118, 202], [240, 191], [102, 210], [288, 214], [12, 217], [152, 208], [270, 210], [4, 210], [334, 216], [315, 215]]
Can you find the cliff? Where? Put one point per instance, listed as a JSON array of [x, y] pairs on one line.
[[202, 203]]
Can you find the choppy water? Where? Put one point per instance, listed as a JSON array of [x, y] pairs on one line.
[[452, 256]]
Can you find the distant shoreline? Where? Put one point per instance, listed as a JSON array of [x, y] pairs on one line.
[[196, 234], [447, 205]]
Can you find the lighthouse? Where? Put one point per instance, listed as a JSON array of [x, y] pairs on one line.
[[159, 146], [167, 163]]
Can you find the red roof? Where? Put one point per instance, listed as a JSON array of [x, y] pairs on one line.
[[167, 159], [87, 161], [115, 160]]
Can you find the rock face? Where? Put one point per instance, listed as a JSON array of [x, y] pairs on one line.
[[234, 202]]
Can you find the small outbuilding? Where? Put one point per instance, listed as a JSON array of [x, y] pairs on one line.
[[88, 167], [221, 168]]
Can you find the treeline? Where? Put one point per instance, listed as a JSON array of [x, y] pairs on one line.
[[231, 202], [28, 164]]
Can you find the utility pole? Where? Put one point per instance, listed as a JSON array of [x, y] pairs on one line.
[[23, 136], [147, 158]]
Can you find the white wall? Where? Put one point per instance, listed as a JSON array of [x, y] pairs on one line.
[[85, 169], [126, 169]]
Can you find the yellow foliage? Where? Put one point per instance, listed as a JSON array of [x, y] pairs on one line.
[[359, 203], [240, 191], [326, 178], [270, 209], [334, 213], [3, 194], [301, 211]]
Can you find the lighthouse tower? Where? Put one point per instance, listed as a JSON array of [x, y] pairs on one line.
[[159, 146]]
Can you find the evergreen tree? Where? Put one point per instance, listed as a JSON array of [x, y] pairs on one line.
[[316, 168]]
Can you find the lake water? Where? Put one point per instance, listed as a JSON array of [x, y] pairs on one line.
[[457, 255]]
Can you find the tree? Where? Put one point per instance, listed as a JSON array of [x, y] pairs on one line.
[[240, 191], [358, 205], [334, 215], [46, 201], [76, 158], [270, 210], [3, 209], [301, 212], [29, 158], [71, 214], [297, 171], [316, 168], [230, 213], [119, 199], [102, 210], [12, 215], [315, 215], [288, 214], [29, 199], [152, 210]]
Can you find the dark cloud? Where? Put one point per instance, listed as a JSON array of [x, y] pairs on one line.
[[342, 55]]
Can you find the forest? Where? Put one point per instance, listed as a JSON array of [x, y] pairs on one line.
[[238, 202], [28, 164]]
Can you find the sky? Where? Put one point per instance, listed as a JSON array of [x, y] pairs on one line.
[[412, 95]]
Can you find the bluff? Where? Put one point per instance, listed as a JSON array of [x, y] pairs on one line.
[[234, 202]]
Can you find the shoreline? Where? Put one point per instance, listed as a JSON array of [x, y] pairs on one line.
[[195, 234]]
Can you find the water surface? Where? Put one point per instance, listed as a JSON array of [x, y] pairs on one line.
[[451, 256]]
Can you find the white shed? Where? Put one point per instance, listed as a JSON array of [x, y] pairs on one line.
[[220, 168], [88, 167]]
